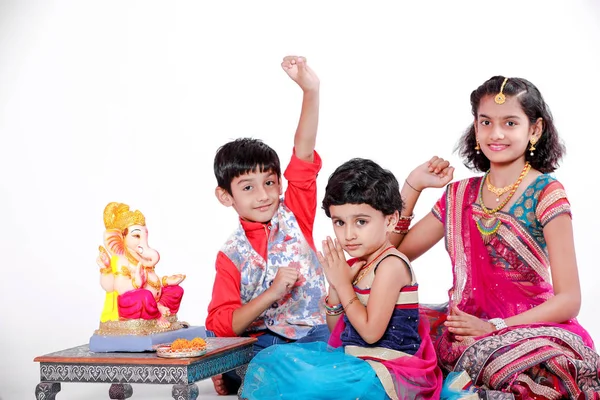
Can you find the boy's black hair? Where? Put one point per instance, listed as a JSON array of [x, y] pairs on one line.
[[242, 156], [548, 150], [361, 181]]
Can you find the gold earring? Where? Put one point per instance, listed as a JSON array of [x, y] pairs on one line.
[[477, 148], [532, 147]]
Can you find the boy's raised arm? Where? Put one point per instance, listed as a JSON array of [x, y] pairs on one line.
[[306, 133]]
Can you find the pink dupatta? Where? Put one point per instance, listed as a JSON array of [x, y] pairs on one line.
[[480, 288], [510, 358], [416, 376]]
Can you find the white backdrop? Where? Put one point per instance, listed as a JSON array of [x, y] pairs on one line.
[[128, 101]]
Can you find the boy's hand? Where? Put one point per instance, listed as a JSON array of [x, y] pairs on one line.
[[284, 282], [435, 173], [301, 73]]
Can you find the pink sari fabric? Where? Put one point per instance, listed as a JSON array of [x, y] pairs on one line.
[[416, 376], [548, 360]]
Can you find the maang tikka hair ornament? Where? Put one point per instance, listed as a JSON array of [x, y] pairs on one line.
[[500, 98]]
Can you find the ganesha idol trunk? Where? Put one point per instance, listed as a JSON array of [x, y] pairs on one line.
[[140, 309]]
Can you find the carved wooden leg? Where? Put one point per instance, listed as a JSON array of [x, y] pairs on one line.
[[120, 391], [47, 390], [241, 372], [185, 392]]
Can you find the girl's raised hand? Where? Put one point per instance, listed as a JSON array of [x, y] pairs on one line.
[[435, 173]]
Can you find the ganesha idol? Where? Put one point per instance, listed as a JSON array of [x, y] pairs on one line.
[[140, 309]]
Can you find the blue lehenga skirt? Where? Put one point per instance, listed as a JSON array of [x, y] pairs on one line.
[[310, 371]]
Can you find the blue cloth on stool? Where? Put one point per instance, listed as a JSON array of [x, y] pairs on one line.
[[133, 343]]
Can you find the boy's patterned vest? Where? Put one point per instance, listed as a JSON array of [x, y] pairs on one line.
[[294, 315]]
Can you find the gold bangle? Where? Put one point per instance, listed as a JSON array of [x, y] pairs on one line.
[[352, 300], [164, 280], [106, 271], [135, 286]]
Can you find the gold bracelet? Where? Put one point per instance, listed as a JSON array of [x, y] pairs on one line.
[[352, 300], [164, 280], [106, 271]]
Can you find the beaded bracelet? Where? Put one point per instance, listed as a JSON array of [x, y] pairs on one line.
[[327, 303], [499, 323], [403, 224], [334, 313], [333, 310]]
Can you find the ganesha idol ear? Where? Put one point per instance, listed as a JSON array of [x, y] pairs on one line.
[[223, 196], [113, 240]]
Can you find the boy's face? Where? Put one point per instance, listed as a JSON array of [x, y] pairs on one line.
[[255, 195], [361, 229]]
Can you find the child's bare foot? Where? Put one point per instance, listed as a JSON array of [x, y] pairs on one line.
[[219, 383]]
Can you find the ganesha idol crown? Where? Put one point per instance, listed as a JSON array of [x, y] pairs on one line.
[[138, 300]]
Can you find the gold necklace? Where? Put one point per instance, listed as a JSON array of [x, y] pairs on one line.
[[154, 285], [488, 224], [131, 258], [363, 271], [497, 191]]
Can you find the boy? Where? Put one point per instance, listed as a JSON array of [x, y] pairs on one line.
[[269, 283]]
